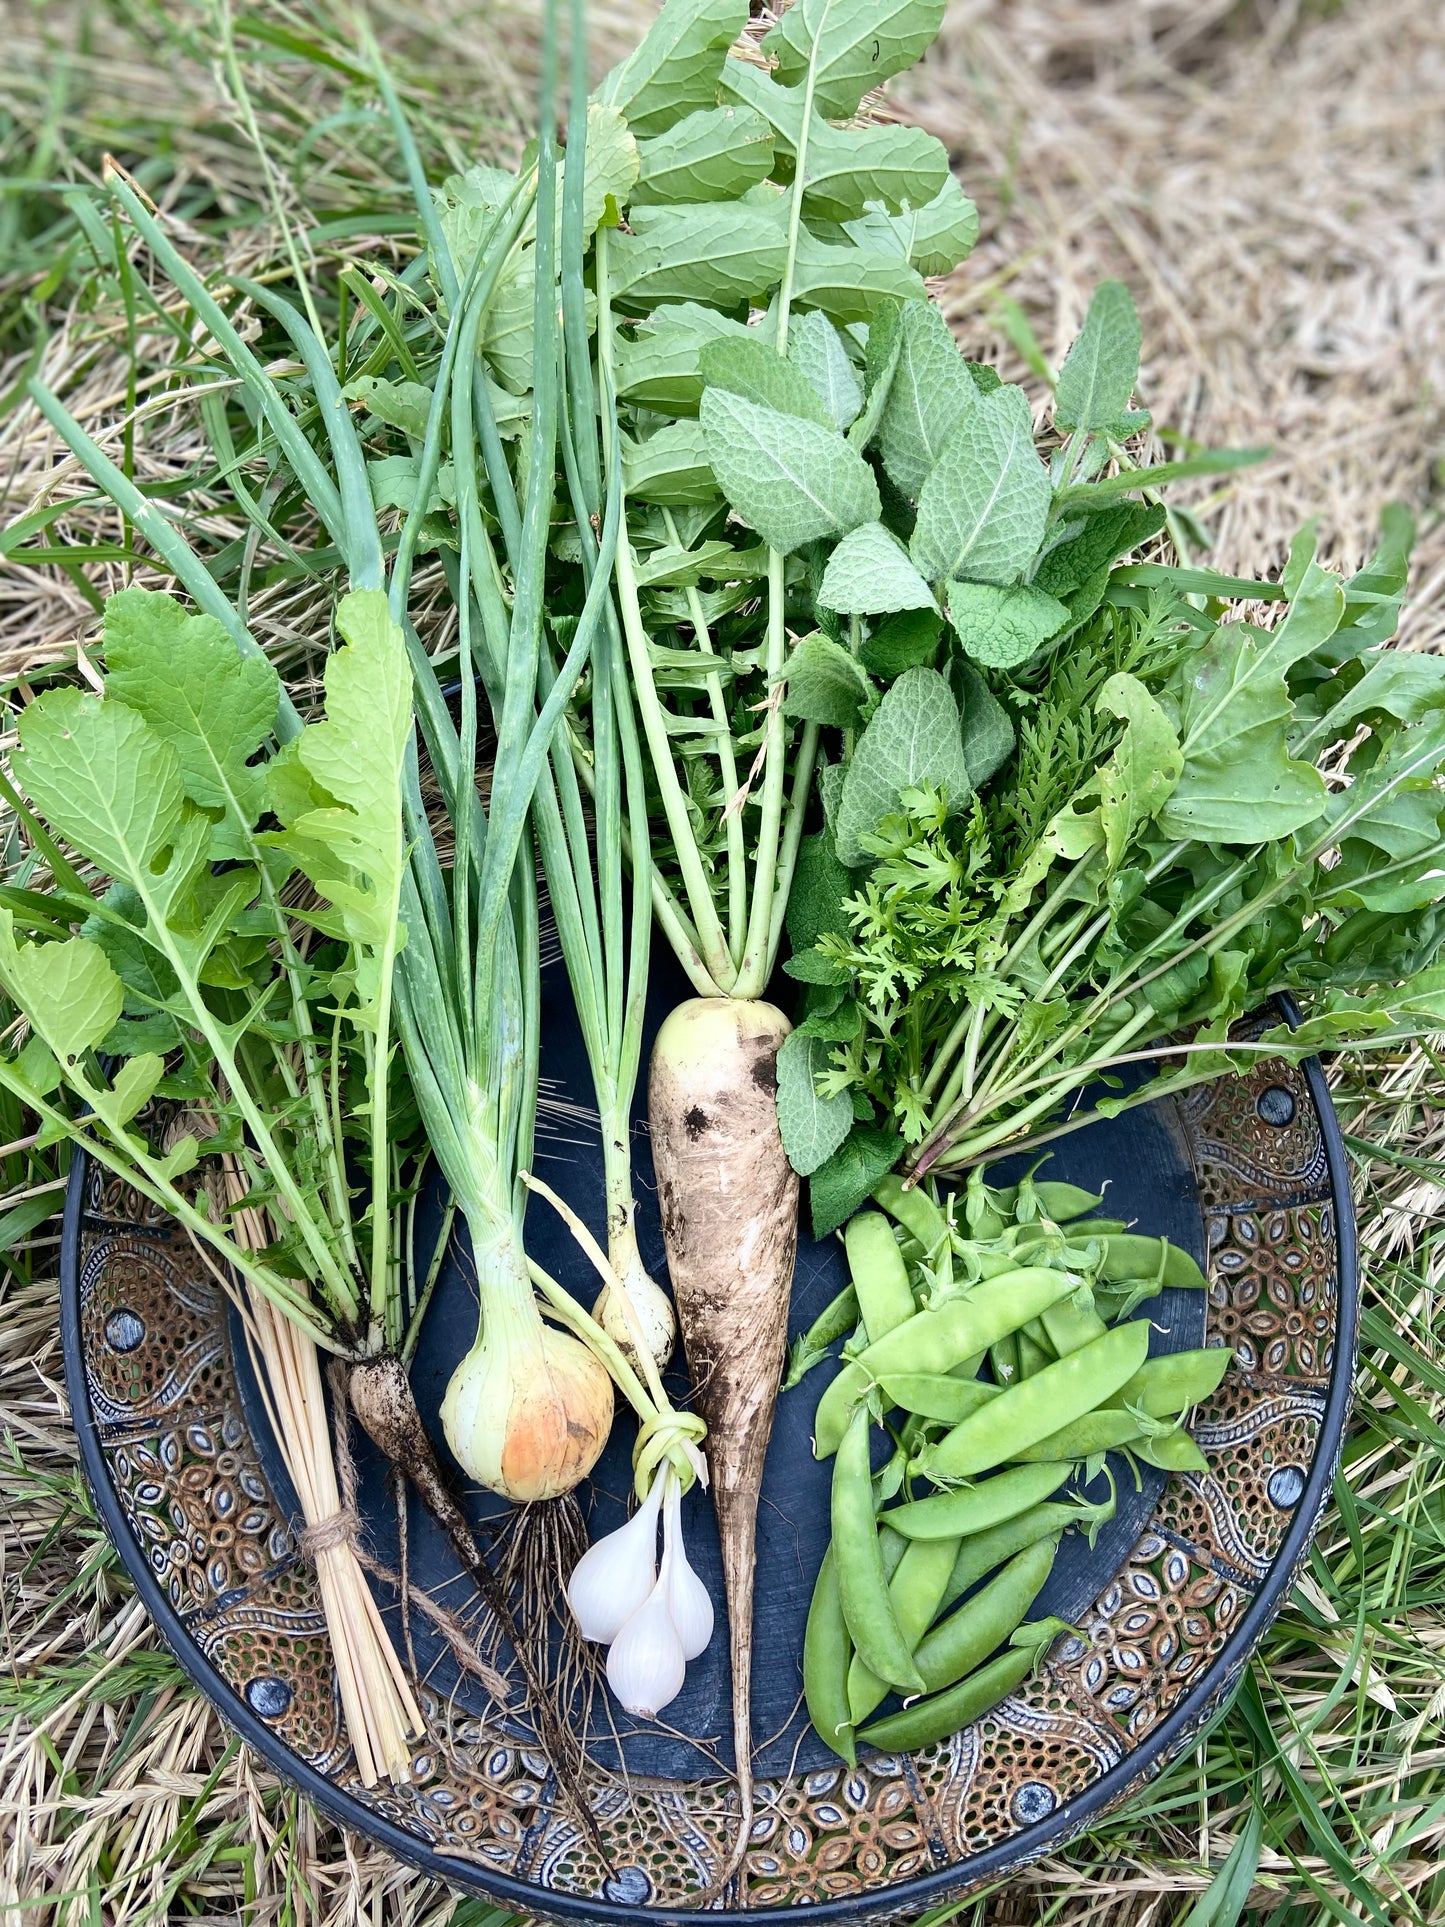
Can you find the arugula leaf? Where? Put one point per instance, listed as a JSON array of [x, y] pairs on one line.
[[930, 394], [1239, 784], [869, 573], [914, 739], [791, 480], [817, 351], [812, 1126], [1101, 369], [67, 990], [350, 841], [851, 45], [755, 370], [903, 642], [845, 1181], [215, 707], [1003, 627], [400, 404], [101, 776], [1140, 776], [825, 684], [675, 66], [983, 510], [722, 253], [714, 154]]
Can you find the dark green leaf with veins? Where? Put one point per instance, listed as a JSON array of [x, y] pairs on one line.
[[1100, 370]]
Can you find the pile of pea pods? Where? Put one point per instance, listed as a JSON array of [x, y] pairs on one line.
[[994, 1340]]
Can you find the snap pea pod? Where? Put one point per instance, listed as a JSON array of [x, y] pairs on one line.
[[1104, 1430], [976, 1508], [937, 1395], [1037, 1407], [981, 1552], [966, 1638], [1032, 1355], [1174, 1381], [1130, 1258], [834, 1321], [1072, 1323], [915, 1589], [938, 1339], [858, 1561], [944, 1714], [913, 1209], [1054, 1199], [1172, 1451], [1003, 1359], [880, 1277], [827, 1655]]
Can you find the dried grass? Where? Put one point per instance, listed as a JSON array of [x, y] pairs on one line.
[[1270, 181]]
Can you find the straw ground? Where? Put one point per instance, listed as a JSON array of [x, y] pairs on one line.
[[1267, 178]]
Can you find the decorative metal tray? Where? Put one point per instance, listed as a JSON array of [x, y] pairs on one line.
[[1248, 1173]]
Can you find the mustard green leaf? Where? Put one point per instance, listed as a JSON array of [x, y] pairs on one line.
[[675, 67], [68, 991], [672, 467], [102, 777], [849, 283], [933, 238], [851, 45], [719, 252], [714, 154]]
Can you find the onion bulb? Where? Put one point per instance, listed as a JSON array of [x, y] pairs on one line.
[[648, 1310], [529, 1408], [614, 1577]]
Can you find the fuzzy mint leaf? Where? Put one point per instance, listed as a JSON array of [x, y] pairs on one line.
[[905, 641], [851, 45], [675, 67], [930, 395], [988, 735], [754, 369], [825, 684], [715, 154], [1002, 628], [845, 1182], [869, 574], [816, 349], [821, 889], [214, 706], [914, 739], [1101, 369], [722, 253], [983, 510], [791, 480], [812, 1127]]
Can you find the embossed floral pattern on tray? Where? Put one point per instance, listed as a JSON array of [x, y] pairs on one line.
[[161, 1386]]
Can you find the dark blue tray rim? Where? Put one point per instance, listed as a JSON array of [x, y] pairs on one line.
[[1197, 1708]]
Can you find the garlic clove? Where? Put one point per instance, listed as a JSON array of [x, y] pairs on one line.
[[615, 1576], [645, 1664], [688, 1600]]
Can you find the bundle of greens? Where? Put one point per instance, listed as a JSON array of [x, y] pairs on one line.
[[263, 1027]]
